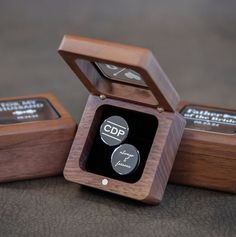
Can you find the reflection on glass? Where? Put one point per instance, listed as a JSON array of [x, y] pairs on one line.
[[120, 74]]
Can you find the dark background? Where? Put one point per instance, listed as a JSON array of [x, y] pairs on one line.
[[194, 41]]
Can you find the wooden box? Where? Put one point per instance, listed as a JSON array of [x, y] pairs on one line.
[[207, 154], [125, 82], [36, 134]]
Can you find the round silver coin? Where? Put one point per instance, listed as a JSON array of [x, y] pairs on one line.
[[114, 130], [125, 159]]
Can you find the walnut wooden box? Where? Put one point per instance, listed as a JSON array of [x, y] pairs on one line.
[[128, 81], [36, 134], [207, 154]]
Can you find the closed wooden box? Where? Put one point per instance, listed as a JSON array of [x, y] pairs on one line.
[[125, 82], [36, 134], [207, 154]]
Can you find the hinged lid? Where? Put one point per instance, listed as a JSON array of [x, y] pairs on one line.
[[119, 71]]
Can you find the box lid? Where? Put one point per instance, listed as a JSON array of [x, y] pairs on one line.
[[119, 71]]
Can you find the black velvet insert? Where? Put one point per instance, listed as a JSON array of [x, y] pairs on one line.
[[142, 130]]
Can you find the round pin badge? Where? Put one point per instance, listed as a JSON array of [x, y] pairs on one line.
[[125, 159], [114, 130]]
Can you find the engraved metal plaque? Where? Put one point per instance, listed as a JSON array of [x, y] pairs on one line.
[[121, 74], [26, 110], [209, 119]]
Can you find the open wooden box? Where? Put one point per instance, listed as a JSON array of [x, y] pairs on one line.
[[36, 134], [124, 81], [207, 154]]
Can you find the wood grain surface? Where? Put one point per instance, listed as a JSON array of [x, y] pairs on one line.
[[206, 159], [79, 53], [75, 49], [36, 149], [151, 186]]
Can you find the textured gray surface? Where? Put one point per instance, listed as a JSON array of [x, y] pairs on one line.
[[195, 42]]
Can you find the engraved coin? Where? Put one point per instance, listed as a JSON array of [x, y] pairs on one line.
[[125, 159], [114, 130]]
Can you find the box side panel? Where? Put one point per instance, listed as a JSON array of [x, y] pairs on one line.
[[204, 166], [167, 158], [35, 154]]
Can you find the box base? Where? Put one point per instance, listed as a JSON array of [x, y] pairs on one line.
[[206, 159]]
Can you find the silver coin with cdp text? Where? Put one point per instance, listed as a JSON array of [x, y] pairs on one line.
[[114, 130]]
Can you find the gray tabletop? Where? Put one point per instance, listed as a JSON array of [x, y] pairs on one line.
[[194, 41]]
